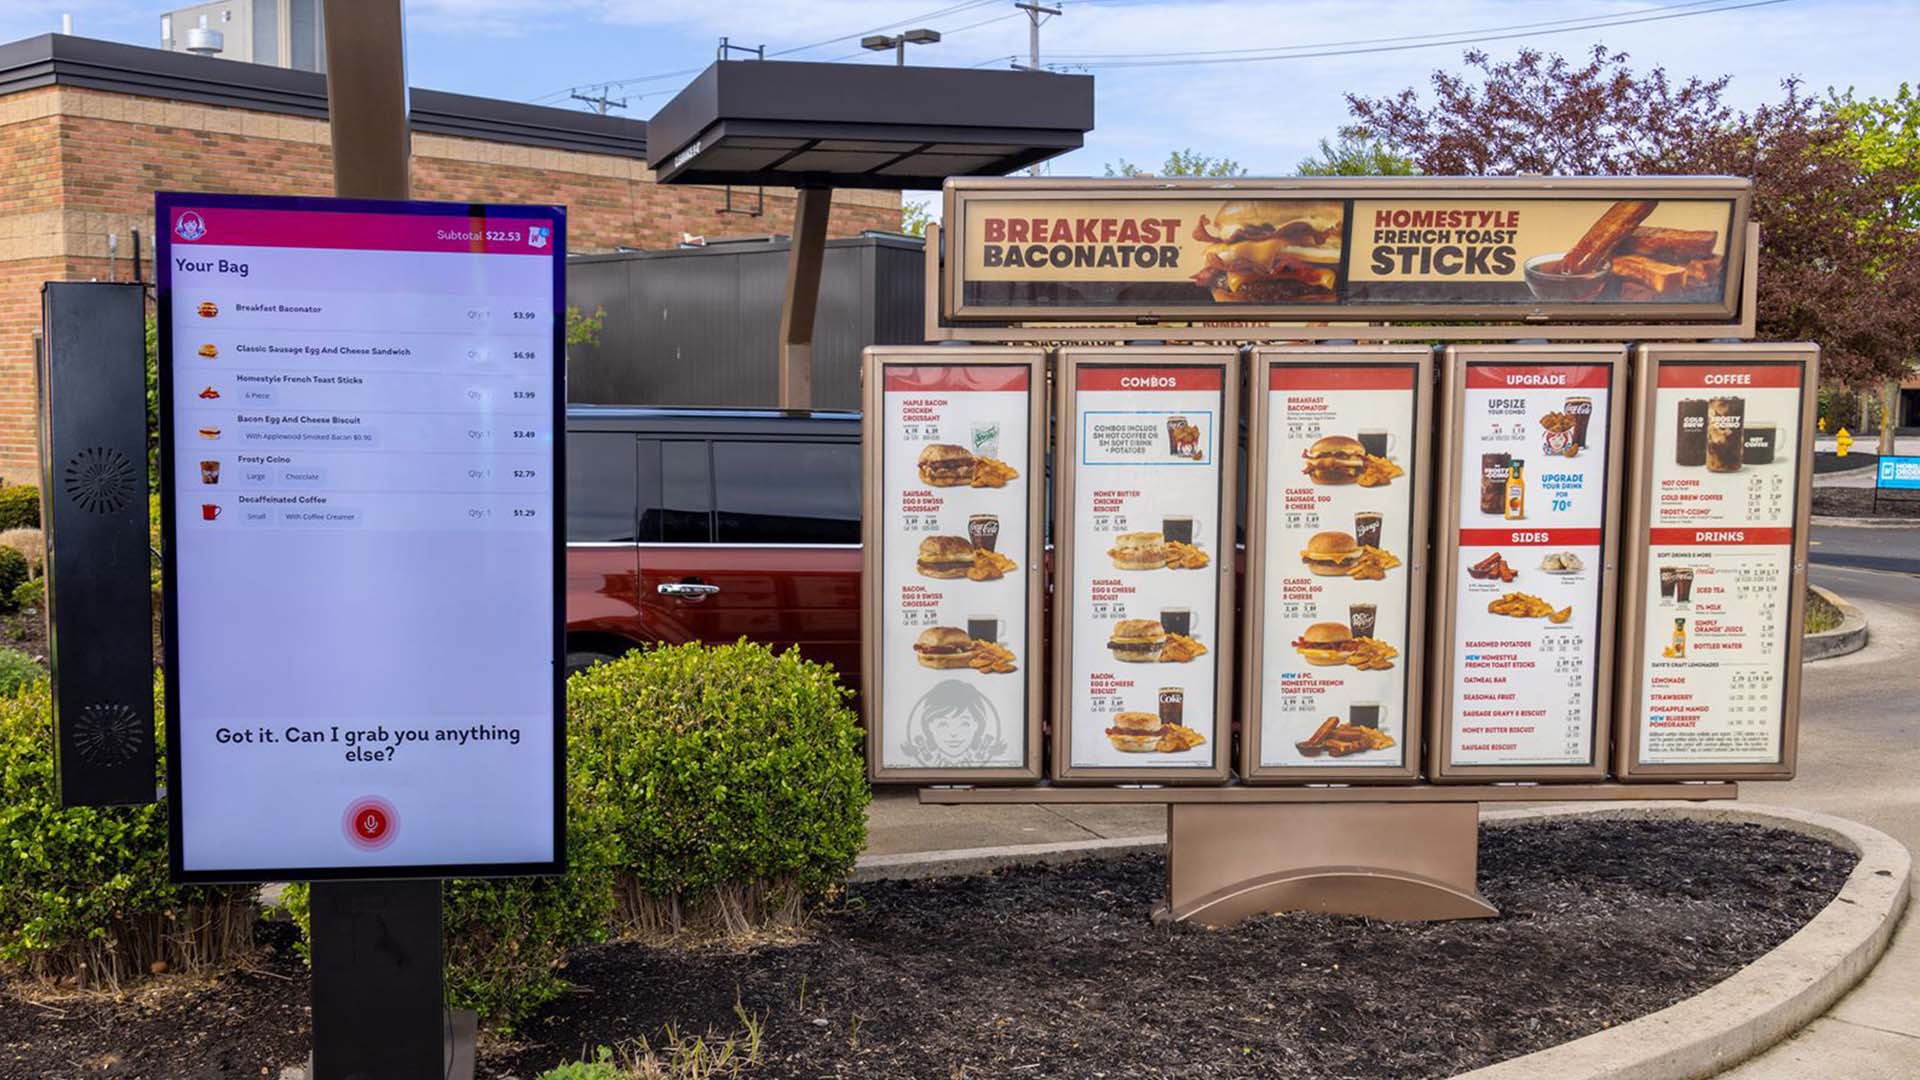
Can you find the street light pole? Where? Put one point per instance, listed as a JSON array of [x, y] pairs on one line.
[[899, 42]]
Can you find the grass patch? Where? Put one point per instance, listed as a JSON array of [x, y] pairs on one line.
[[1821, 615]]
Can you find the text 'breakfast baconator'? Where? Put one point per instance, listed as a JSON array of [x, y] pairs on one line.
[[947, 465]]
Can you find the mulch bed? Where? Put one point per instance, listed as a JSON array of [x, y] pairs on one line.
[[1058, 972], [1826, 461], [1859, 503], [25, 631]]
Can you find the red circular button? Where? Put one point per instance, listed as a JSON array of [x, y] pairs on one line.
[[370, 823]]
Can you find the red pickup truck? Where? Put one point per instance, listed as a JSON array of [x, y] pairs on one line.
[[712, 525]]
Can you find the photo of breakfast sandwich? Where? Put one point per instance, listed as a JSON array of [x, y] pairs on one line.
[[209, 351], [209, 432], [208, 309], [1138, 551], [1137, 641], [946, 465], [1338, 739], [945, 558], [1343, 459], [1337, 554], [1271, 251], [1332, 644], [1620, 258], [1145, 733], [944, 647]]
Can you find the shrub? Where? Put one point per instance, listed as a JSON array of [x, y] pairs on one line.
[[19, 507], [30, 594], [732, 780], [600, 1068], [13, 573], [505, 939], [85, 893], [17, 669], [30, 543]]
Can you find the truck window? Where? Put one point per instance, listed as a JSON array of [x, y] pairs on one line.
[[683, 512], [600, 487], [787, 492]]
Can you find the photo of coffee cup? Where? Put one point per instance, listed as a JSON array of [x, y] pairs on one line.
[[1364, 714], [1177, 621], [209, 511], [1177, 529], [983, 627], [1378, 442], [1759, 443]]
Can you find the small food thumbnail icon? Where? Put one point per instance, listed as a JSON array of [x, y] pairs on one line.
[[209, 432], [208, 309], [209, 394], [209, 351]]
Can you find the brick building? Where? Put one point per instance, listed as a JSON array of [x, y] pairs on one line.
[[89, 130]]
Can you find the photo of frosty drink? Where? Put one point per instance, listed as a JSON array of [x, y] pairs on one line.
[[1726, 434], [1493, 482]]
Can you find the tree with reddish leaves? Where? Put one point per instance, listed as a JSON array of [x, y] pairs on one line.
[[1839, 264]]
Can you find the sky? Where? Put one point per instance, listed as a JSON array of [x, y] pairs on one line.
[[1266, 114]]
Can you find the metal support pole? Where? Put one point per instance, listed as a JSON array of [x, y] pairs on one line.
[[804, 258], [379, 1004]]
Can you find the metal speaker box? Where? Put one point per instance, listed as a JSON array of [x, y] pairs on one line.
[[93, 496]]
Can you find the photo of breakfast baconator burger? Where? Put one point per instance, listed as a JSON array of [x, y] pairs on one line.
[[947, 648], [208, 309], [1271, 251], [1146, 733], [1342, 459], [947, 465], [949, 558]]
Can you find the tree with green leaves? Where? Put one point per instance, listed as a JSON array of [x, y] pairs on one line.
[[1356, 155], [914, 218], [1182, 163]]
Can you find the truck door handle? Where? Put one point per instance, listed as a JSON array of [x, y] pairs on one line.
[[688, 590]]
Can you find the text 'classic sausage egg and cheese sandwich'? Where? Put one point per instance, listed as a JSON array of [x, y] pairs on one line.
[[1271, 251]]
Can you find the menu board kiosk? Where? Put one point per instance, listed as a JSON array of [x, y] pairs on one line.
[[1524, 535], [954, 574], [1143, 617], [1715, 562], [1339, 468]]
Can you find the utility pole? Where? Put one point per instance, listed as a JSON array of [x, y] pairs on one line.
[[600, 102], [1036, 13], [1034, 10]]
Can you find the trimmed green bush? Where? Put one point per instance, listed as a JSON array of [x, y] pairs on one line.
[[601, 1068], [30, 594], [506, 939], [19, 507], [17, 669], [84, 893], [13, 573], [731, 777]]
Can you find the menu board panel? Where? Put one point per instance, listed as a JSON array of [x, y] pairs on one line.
[[1144, 600], [1320, 248], [1533, 458], [361, 404], [1336, 562], [953, 543], [1715, 584]]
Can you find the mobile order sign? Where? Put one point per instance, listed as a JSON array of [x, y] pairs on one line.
[[361, 403]]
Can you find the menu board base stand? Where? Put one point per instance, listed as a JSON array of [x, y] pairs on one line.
[[1407, 862], [378, 994], [1407, 854]]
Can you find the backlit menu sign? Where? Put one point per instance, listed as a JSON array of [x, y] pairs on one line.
[[1626, 248], [1336, 562], [1715, 575], [1532, 464], [954, 579], [1148, 441], [360, 403]]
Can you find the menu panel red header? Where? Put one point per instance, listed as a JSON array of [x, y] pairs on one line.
[[1149, 379], [1537, 376], [956, 378], [1721, 376], [1341, 377]]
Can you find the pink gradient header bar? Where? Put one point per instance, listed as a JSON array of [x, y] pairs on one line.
[[192, 227]]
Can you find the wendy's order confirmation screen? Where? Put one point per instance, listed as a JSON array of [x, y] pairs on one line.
[[362, 407]]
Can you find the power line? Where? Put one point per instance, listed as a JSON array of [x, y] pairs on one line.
[[886, 26], [1377, 41], [1282, 53]]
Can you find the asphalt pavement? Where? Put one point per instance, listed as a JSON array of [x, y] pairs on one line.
[[1876, 548]]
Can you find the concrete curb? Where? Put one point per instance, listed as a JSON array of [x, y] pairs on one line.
[[1760, 1004], [1849, 637], [1746, 1013]]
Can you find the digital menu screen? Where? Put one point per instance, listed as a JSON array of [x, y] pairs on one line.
[[1149, 547], [1336, 595], [1724, 474], [362, 402], [1531, 516], [955, 646]]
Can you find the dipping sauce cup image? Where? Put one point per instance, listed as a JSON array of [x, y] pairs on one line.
[[1547, 282]]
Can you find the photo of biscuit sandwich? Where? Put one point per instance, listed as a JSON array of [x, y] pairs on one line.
[[209, 351], [1138, 551], [1145, 733], [1137, 641], [1271, 251]]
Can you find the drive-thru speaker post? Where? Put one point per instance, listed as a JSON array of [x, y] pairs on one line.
[[360, 406]]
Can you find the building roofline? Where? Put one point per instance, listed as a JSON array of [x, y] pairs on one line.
[[113, 67]]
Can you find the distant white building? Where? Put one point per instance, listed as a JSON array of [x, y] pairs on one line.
[[284, 33]]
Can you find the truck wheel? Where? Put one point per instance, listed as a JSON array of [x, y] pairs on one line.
[[581, 661]]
